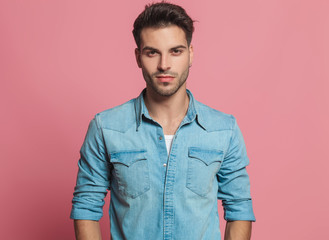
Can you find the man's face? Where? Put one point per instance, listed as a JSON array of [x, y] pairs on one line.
[[164, 57]]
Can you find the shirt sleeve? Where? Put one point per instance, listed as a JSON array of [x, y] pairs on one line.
[[233, 180], [93, 179]]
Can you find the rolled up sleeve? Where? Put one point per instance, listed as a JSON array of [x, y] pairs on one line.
[[93, 179], [233, 180]]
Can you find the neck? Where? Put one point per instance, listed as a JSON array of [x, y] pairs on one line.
[[168, 111]]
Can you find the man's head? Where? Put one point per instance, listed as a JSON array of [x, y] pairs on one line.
[[163, 34], [163, 14]]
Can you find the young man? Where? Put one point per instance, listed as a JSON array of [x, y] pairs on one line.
[[165, 157]]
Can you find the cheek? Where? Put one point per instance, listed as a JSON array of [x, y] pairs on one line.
[[149, 64], [181, 64]]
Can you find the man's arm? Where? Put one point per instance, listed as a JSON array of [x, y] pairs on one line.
[[238, 230], [87, 230], [93, 181], [234, 189]]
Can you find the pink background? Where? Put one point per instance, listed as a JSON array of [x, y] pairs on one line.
[[266, 62]]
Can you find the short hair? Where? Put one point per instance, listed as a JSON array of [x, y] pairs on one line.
[[163, 14]]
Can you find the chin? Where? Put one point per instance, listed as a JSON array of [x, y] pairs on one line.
[[167, 92]]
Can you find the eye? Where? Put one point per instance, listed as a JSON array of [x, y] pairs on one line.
[[176, 52], [151, 53]]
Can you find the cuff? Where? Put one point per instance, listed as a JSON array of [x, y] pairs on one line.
[[86, 210], [236, 210]]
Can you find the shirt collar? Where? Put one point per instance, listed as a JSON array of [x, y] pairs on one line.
[[192, 112]]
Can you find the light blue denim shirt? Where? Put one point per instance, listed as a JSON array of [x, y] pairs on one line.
[[159, 196]]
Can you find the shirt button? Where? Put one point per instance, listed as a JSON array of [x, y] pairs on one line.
[[160, 138], [165, 165]]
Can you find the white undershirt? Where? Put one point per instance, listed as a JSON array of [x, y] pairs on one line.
[[168, 139]]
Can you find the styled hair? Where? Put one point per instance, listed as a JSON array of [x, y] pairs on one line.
[[163, 14]]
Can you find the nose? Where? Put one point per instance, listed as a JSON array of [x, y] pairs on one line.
[[164, 63]]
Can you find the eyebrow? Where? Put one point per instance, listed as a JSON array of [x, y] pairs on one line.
[[154, 49]]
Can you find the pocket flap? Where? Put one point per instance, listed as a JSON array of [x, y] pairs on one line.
[[128, 157], [207, 156]]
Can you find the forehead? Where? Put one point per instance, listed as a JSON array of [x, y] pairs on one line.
[[163, 37]]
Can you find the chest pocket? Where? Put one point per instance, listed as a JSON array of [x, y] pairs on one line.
[[131, 172], [203, 165]]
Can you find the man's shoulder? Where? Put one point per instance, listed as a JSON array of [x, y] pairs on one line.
[[118, 118], [213, 119]]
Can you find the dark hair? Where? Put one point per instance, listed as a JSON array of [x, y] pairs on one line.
[[163, 14]]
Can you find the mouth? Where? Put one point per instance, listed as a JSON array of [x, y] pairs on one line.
[[165, 78]]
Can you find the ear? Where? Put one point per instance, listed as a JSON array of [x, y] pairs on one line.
[[191, 54], [138, 57]]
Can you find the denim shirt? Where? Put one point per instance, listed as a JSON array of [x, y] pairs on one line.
[[159, 196]]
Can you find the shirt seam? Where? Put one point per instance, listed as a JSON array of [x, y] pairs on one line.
[[231, 137]]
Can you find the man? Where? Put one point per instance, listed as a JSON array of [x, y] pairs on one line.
[[165, 157]]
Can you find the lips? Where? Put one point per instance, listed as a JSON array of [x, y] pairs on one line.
[[165, 78]]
